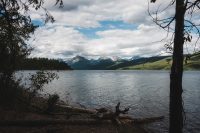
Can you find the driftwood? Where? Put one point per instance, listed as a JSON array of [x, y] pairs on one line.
[[116, 117], [141, 120], [105, 114], [30, 123], [99, 116], [75, 109]]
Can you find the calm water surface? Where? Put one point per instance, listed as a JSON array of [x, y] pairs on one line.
[[145, 92]]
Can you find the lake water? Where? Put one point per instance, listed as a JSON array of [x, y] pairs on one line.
[[145, 92]]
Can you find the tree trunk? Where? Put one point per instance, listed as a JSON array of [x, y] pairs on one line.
[[176, 107]]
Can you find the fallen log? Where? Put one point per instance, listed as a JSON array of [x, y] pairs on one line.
[[141, 120], [75, 109], [118, 116], [32, 123], [104, 113], [121, 119], [64, 114]]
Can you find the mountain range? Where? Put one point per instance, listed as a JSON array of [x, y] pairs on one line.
[[105, 63], [134, 63]]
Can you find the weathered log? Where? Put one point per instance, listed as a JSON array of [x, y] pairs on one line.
[[116, 116], [118, 111], [103, 113], [63, 114], [31, 123], [121, 119], [75, 109], [113, 116], [141, 120]]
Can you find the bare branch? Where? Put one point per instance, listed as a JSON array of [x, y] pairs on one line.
[[163, 23], [193, 4]]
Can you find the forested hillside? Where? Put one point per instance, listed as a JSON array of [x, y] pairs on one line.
[[192, 63], [42, 63]]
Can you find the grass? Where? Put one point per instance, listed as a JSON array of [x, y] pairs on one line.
[[192, 64]]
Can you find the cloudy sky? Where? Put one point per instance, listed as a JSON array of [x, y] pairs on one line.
[[96, 28]]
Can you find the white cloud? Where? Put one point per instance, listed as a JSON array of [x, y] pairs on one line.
[[63, 40], [56, 41], [88, 13]]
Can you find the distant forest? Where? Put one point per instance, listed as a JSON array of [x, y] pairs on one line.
[[42, 64]]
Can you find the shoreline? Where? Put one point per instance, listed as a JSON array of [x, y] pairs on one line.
[[65, 118]]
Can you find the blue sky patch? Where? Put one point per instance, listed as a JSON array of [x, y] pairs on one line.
[[106, 25], [38, 22]]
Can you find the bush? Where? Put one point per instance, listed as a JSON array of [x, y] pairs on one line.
[[52, 100], [10, 91], [14, 94], [38, 80]]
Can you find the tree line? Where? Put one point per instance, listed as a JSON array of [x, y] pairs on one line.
[[42, 64]]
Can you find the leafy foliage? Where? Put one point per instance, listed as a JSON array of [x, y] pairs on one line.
[[15, 29], [41, 78], [10, 91], [37, 82]]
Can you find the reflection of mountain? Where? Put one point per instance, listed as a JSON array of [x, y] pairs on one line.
[[136, 62]]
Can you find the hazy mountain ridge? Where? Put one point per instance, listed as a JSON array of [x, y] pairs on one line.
[[82, 63], [134, 63], [104, 63]]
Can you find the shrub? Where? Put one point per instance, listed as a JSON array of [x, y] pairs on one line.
[[13, 93], [38, 80], [52, 100]]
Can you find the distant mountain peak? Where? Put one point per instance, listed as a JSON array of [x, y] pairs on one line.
[[103, 58], [116, 58], [82, 63], [135, 57], [76, 59]]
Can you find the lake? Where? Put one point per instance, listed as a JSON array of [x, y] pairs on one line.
[[145, 92]]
